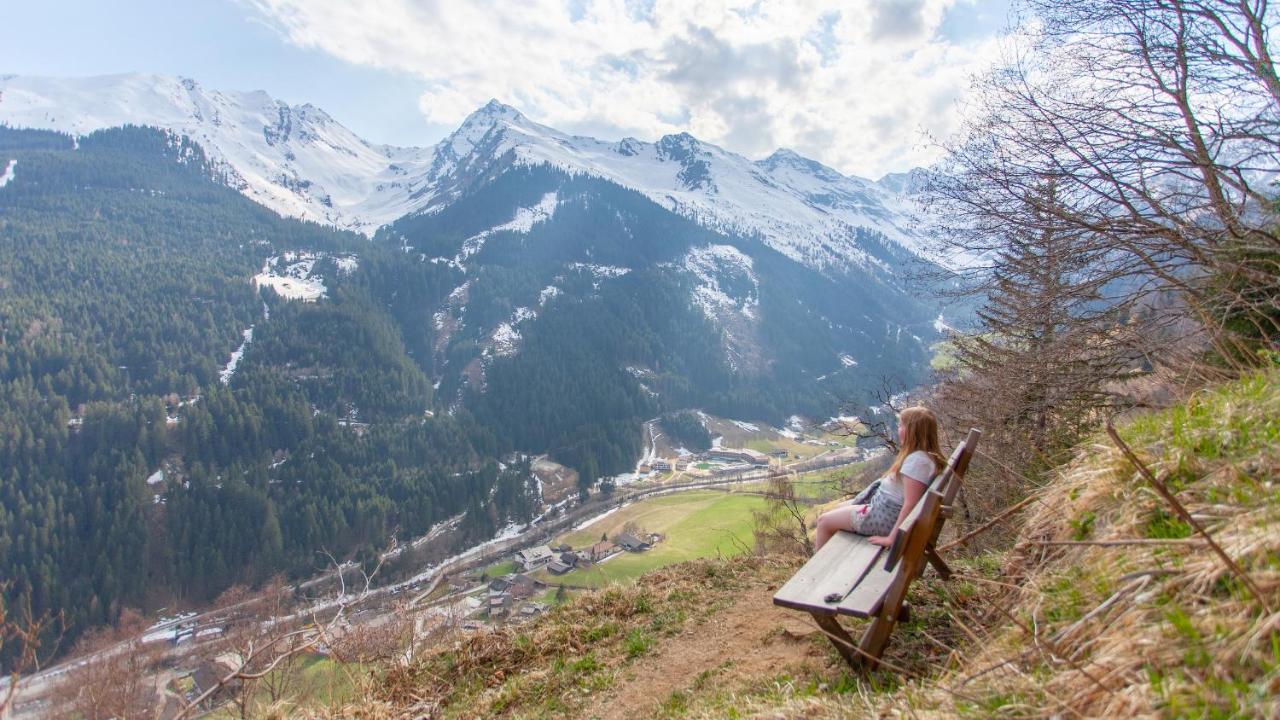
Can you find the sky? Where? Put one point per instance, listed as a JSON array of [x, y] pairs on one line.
[[860, 85]]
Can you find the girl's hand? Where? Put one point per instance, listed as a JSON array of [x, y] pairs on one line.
[[881, 540]]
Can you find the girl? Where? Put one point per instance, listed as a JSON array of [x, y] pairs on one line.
[[919, 459]]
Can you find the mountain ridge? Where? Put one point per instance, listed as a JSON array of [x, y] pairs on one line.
[[300, 162]]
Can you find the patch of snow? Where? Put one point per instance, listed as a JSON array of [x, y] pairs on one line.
[[7, 176], [547, 294], [295, 281], [156, 477], [505, 339], [523, 222], [347, 264], [940, 325], [225, 374], [848, 361], [603, 271], [749, 427], [713, 264]]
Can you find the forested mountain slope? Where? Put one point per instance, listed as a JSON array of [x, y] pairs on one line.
[[130, 473], [582, 307]]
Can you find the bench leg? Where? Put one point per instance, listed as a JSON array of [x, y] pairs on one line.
[[875, 638], [838, 637], [936, 561]]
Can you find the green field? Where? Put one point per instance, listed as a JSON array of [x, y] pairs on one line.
[[699, 523], [499, 569]]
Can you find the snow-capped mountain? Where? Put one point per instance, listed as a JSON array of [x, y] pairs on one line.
[[296, 160], [806, 210], [300, 162]]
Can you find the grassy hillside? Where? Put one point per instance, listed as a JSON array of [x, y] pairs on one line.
[[1106, 606]]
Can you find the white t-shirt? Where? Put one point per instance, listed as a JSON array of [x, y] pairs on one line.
[[917, 466]]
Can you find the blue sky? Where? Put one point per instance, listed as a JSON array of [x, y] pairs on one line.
[[856, 84]]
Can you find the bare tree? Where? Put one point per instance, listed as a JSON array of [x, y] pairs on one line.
[[1109, 201], [1155, 121], [113, 680], [271, 645], [782, 527], [20, 641]]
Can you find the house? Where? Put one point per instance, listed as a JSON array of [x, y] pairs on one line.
[[499, 585], [601, 550], [778, 453], [534, 557], [661, 466], [498, 604], [523, 586], [568, 558], [630, 543], [555, 567], [531, 609]]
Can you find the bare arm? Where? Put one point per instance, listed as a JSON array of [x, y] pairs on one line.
[[912, 491]]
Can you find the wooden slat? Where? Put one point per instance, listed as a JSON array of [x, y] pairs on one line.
[[866, 598], [961, 466], [834, 569]]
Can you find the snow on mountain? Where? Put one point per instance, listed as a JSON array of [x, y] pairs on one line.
[[295, 160], [523, 222], [807, 211], [8, 174], [298, 161], [726, 281]]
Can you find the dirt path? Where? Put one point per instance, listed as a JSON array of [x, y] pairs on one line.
[[745, 645]]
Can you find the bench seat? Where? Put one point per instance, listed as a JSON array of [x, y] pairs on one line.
[[836, 571]]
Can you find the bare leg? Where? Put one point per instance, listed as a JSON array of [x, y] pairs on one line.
[[832, 521]]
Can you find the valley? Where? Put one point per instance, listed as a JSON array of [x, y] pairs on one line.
[[225, 356]]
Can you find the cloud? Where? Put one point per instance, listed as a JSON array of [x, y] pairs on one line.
[[853, 83]]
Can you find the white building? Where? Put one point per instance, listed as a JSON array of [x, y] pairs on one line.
[[534, 557]]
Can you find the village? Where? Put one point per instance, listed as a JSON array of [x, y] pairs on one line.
[[530, 587]]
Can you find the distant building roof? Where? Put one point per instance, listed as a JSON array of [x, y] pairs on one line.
[[558, 568], [533, 555], [630, 542]]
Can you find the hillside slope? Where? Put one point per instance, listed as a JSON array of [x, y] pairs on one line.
[[1160, 628]]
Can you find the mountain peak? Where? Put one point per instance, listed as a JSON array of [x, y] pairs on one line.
[[495, 110]]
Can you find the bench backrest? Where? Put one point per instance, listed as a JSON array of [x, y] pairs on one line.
[[925, 519]]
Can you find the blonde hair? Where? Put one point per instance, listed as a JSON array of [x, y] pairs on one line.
[[920, 433]]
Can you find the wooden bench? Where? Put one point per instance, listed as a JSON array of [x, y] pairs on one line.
[[850, 576]]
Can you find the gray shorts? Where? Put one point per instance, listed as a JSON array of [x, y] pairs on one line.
[[877, 518]]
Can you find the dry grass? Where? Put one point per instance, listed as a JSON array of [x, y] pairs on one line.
[[1143, 630], [554, 666], [700, 639]]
